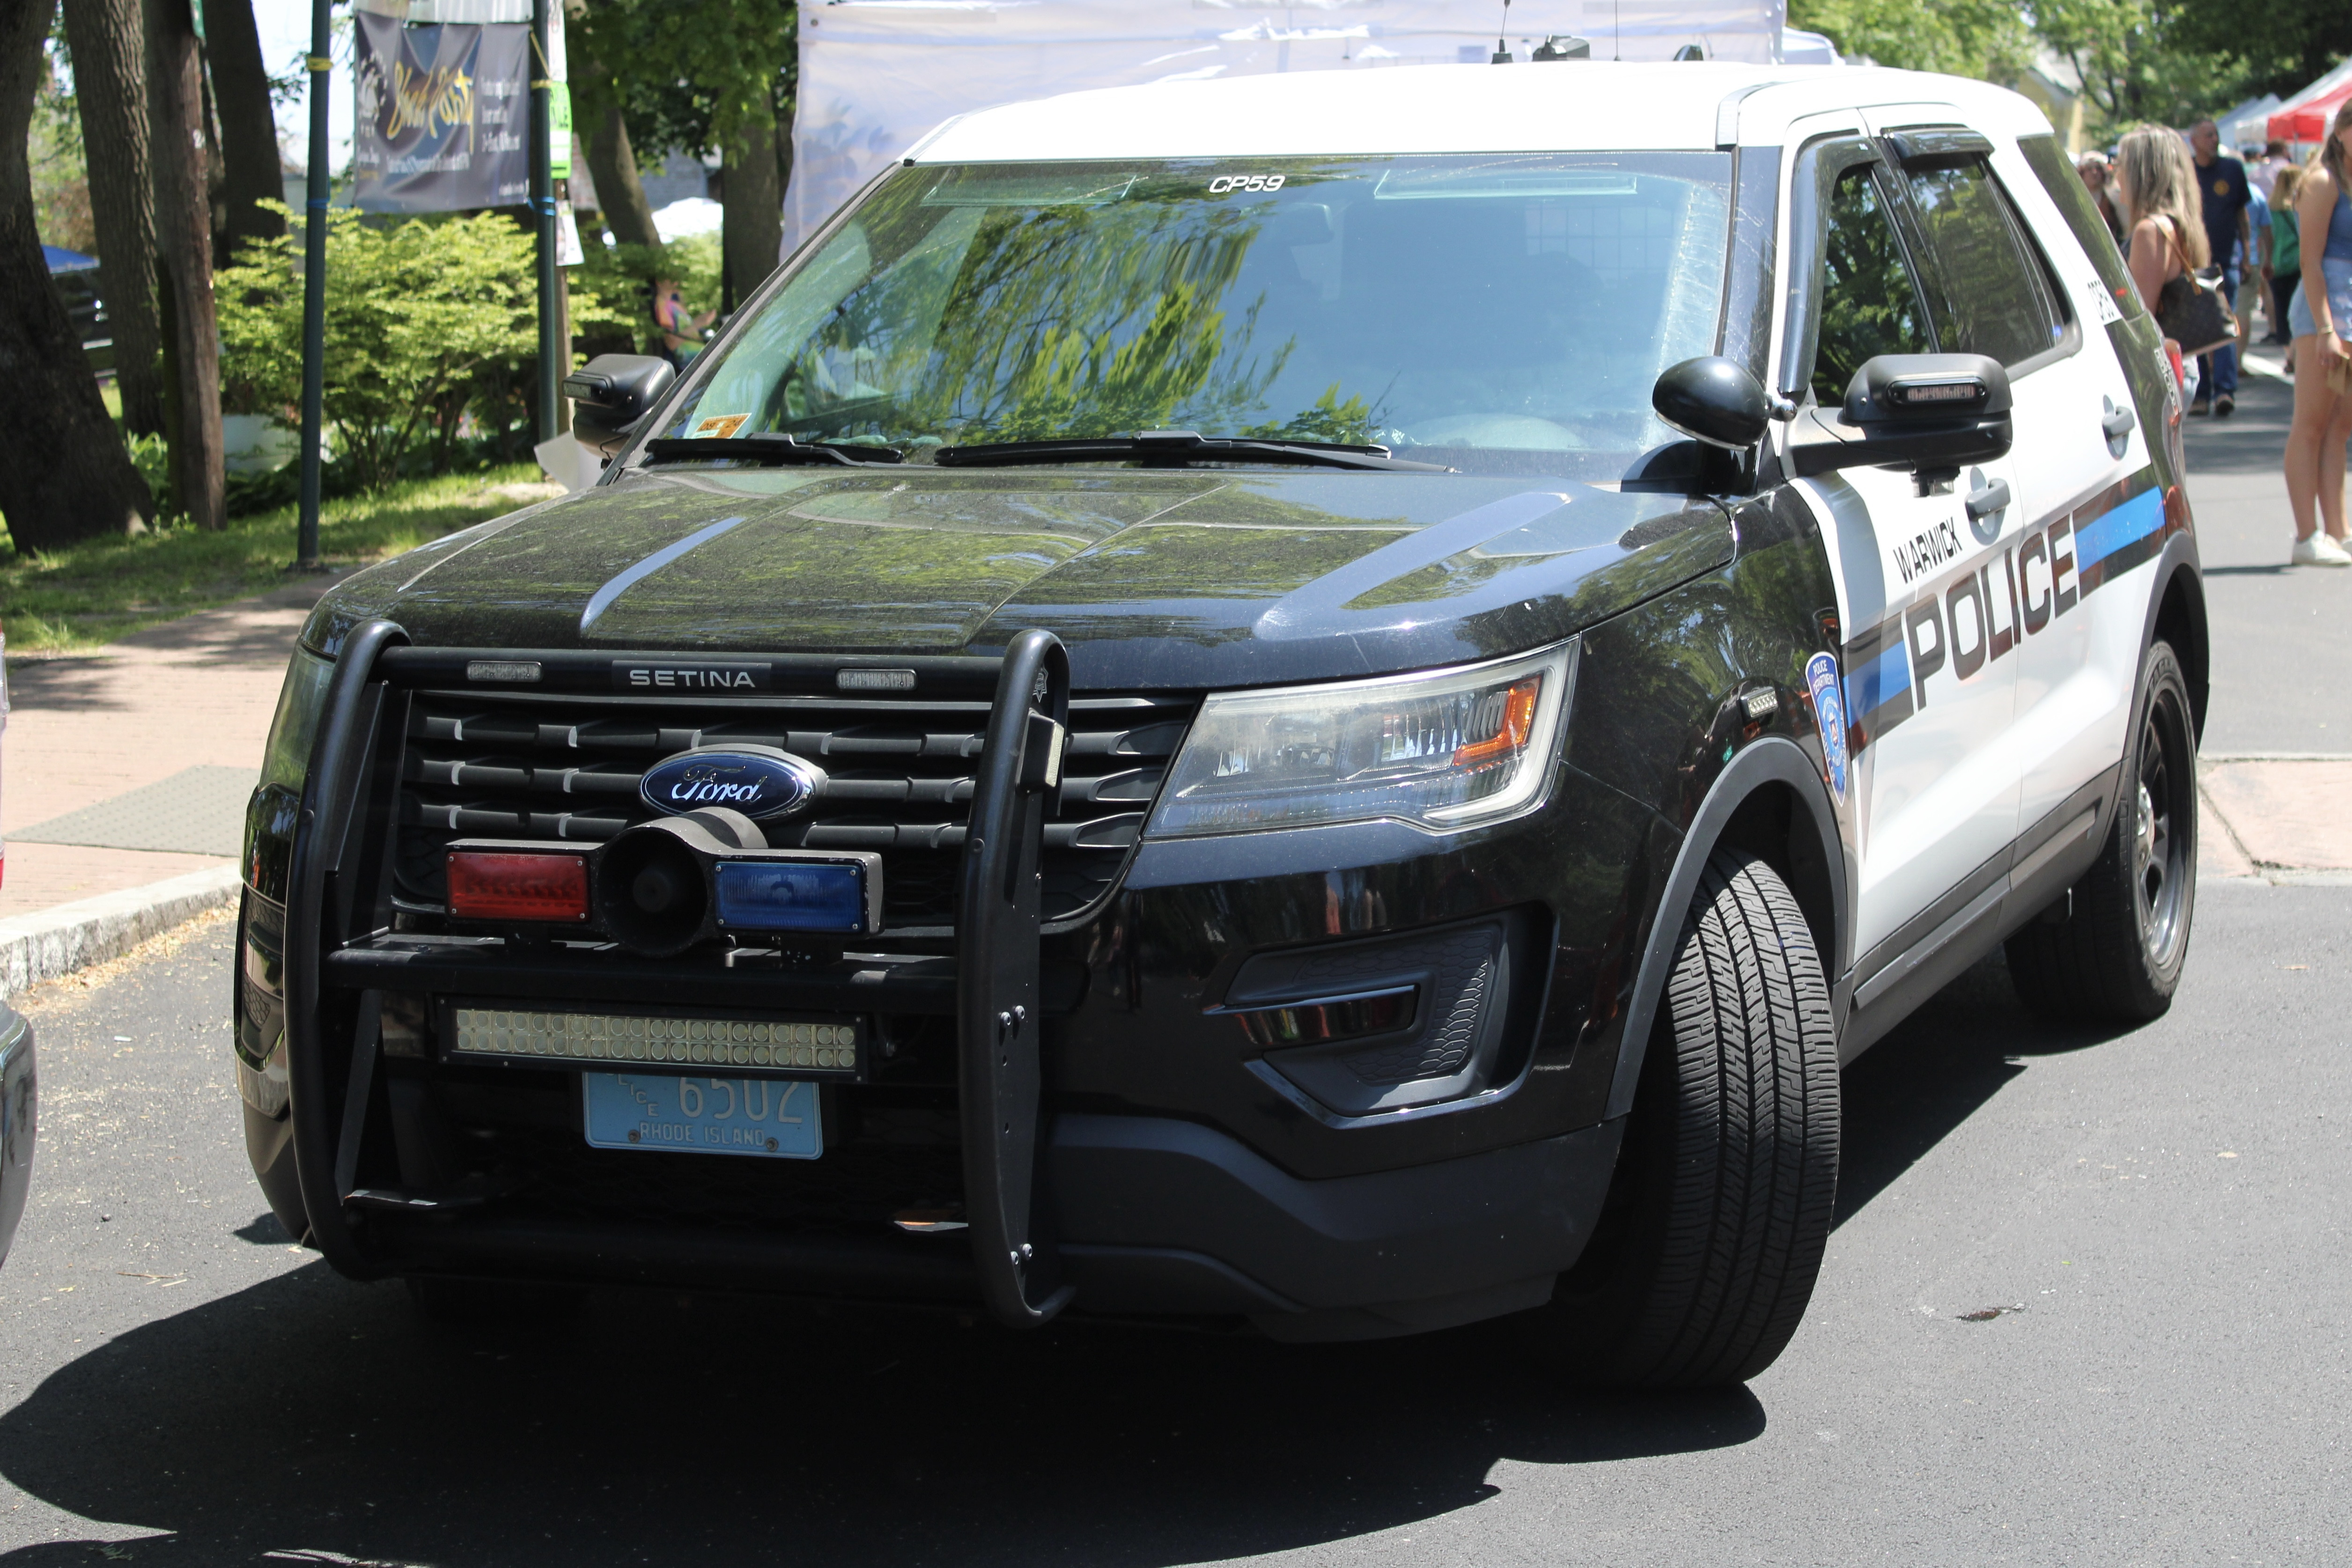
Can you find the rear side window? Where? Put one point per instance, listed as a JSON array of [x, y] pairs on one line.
[[1870, 302], [1985, 287], [2057, 175]]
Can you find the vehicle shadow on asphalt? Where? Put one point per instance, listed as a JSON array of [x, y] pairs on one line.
[[1934, 1071], [313, 1414]]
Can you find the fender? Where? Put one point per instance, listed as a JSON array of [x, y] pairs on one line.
[[2178, 556], [1773, 759]]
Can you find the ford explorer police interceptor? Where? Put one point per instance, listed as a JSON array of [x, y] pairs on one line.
[[1327, 701]]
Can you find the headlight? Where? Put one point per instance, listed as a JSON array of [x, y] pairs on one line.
[[1443, 750], [286, 760]]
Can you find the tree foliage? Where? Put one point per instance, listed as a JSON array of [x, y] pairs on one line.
[[2171, 61], [688, 71], [428, 321], [1984, 39]]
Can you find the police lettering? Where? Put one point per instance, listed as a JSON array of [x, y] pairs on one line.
[[2005, 602]]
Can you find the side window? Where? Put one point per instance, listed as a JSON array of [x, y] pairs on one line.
[[1986, 290], [2058, 177], [1870, 303]]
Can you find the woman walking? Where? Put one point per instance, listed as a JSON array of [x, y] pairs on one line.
[[2320, 316], [2165, 238], [2286, 252]]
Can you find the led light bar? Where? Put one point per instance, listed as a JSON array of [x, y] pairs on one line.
[[829, 1046], [487, 884]]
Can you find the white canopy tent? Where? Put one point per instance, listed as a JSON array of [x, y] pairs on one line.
[[876, 75], [2248, 125]]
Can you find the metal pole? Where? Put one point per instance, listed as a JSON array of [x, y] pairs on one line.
[[552, 348], [314, 289]]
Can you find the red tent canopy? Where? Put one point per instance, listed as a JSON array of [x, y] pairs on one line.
[[2308, 122]]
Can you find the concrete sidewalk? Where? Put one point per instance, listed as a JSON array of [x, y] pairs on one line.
[[153, 740]]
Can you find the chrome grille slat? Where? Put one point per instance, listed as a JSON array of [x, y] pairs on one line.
[[565, 768]]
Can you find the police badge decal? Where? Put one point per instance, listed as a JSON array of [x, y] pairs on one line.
[[1829, 712]]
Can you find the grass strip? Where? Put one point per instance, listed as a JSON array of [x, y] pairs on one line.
[[92, 593]]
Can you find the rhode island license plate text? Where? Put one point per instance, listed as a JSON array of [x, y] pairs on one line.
[[703, 1115]]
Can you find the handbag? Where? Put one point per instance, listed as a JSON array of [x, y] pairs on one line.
[[2191, 311]]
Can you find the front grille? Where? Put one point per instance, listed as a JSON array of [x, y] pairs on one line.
[[900, 778]]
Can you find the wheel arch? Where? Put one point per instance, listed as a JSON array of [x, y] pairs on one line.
[[2176, 615], [1771, 802]]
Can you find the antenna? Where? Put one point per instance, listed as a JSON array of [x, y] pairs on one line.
[[1616, 31], [1503, 54]]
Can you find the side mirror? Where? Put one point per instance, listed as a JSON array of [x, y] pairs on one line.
[[1932, 414], [610, 394], [1713, 400]]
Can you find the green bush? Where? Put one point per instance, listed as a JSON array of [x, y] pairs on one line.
[[426, 323]]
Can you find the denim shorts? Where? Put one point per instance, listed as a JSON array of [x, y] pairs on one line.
[[2338, 273]]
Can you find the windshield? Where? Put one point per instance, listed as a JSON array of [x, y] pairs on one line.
[[1501, 314]]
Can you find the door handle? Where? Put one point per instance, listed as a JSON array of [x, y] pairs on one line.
[[2118, 422], [1993, 498]]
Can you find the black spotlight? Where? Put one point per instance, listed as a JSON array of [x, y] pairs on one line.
[[653, 894]]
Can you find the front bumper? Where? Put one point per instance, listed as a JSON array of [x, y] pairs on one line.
[[1110, 1131], [19, 1102]]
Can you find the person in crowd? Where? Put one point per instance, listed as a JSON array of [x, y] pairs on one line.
[[2286, 255], [2262, 172], [2223, 197], [2093, 169], [2253, 266], [2320, 317], [2156, 185], [683, 333]]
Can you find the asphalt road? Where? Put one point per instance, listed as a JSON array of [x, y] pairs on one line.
[[2283, 634], [2088, 1301]]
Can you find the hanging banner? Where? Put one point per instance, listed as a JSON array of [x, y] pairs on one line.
[[441, 116]]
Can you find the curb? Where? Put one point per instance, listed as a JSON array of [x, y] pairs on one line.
[[58, 941]]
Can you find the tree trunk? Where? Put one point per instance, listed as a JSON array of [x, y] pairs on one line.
[[72, 479], [611, 164], [248, 130], [109, 64], [753, 226], [184, 256]]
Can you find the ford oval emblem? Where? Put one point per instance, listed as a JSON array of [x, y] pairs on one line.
[[758, 780]]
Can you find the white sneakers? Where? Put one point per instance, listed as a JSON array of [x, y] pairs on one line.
[[2319, 550]]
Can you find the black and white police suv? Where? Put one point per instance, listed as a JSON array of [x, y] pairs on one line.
[[1327, 700]]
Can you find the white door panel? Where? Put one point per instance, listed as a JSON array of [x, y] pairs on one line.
[[1929, 628]]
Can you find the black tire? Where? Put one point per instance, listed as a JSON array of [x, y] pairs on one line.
[[1708, 1247], [2117, 956]]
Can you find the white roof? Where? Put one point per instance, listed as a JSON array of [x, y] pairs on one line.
[[1565, 106]]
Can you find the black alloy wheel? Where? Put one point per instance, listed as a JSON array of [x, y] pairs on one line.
[[2117, 956]]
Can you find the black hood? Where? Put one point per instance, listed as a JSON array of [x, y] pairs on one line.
[[1155, 579]]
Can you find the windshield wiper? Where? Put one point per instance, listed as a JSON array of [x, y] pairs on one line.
[[1175, 449], [768, 450]]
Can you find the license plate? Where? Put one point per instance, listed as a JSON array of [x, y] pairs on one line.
[[775, 1118]]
